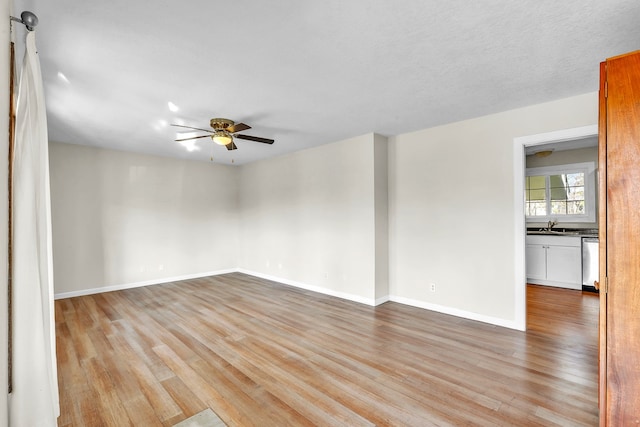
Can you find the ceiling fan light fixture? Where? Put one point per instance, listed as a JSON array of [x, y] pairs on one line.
[[222, 137]]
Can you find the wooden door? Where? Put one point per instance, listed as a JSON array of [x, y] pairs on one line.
[[620, 327], [602, 237]]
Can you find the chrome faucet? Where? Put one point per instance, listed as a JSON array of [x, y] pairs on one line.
[[551, 224]]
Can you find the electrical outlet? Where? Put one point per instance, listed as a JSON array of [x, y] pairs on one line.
[[432, 287]]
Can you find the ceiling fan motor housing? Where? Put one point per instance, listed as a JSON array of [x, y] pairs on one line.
[[224, 132], [221, 124]]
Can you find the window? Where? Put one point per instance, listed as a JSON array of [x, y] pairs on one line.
[[561, 193]]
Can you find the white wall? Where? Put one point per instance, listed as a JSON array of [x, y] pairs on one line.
[[5, 9], [122, 218], [451, 208], [308, 218], [381, 194]]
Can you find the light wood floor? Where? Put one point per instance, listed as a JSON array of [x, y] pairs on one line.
[[259, 353]]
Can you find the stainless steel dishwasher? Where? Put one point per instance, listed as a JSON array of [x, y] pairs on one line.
[[590, 263]]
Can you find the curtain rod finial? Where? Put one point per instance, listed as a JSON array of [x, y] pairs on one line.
[[29, 19]]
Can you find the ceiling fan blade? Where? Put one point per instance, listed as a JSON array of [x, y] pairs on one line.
[[195, 137], [189, 127], [255, 138], [238, 127], [231, 146]]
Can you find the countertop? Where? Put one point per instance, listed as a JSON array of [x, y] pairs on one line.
[[563, 232]]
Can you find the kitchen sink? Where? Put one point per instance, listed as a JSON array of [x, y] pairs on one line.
[[555, 233]]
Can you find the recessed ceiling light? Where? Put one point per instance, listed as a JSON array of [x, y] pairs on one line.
[[173, 107], [543, 153]]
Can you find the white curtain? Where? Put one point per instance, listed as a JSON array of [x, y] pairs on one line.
[[34, 400]]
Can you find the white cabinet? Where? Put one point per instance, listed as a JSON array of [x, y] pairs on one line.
[[554, 261], [536, 262]]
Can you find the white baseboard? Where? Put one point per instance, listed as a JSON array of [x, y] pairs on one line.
[[140, 284], [314, 288], [457, 312], [401, 300], [383, 299], [326, 291]]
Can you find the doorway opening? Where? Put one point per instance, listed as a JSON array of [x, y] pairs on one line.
[[538, 142]]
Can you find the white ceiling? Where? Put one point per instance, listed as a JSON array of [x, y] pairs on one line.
[[307, 73]]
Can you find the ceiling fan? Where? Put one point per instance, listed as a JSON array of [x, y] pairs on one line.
[[223, 133]]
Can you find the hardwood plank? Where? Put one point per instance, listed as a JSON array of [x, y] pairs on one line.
[[110, 410], [201, 387], [188, 402], [137, 377], [261, 353]]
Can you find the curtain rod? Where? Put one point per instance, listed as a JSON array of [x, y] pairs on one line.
[[29, 19]]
